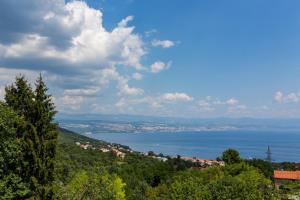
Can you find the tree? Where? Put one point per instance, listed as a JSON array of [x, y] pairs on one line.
[[151, 153], [96, 184], [19, 96], [40, 140], [242, 181], [42, 119], [12, 185], [231, 156]]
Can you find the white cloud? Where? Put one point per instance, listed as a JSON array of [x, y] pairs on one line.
[[68, 102], [152, 104], [7, 75], [205, 106], [289, 98], [84, 92], [125, 102], [125, 89], [210, 104], [162, 43], [86, 52], [232, 101], [292, 97], [159, 66], [91, 45], [173, 97], [215, 101], [150, 32], [137, 76], [279, 97], [125, 21]]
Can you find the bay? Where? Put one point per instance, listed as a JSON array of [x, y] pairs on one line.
[[285, 146]]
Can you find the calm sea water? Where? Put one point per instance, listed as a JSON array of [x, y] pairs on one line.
[[285, 146]]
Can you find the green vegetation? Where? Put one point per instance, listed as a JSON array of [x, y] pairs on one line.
[[148, 178], [40, 161], [231, 156], [12, 185]]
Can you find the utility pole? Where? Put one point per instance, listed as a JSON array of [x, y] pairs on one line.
[[269, 155]]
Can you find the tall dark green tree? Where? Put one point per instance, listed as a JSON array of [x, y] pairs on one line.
[[19, 96], [42, 119], [12, 185], [40, 140]]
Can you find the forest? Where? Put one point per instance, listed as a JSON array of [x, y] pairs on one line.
[[39, 160]]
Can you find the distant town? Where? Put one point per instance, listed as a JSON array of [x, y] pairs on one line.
[[140, 127], [137, 124]]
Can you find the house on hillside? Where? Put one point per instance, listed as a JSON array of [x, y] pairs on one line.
[[118, 153], [280, 176], [203, 161], [104, 150]]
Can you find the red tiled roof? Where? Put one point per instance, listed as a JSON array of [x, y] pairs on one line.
[[289, 175]]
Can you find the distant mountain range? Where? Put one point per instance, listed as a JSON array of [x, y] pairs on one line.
[[93, 123]]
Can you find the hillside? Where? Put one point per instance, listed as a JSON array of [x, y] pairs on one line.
[[146, 177]]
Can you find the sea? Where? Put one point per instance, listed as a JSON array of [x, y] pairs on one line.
[[285, 146]]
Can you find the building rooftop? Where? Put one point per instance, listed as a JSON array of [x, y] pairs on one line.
[[289, 175]]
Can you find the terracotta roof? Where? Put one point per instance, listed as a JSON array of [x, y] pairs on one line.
[[289, 175]]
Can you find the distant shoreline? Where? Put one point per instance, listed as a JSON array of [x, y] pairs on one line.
[[251, 144]]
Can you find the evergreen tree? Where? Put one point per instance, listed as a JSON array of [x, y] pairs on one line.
[[42, 118], [12, 186], [19, 96], [40, 139]]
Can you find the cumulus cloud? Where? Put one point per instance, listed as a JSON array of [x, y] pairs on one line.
[[87, 44], [163, 43], [279, 97], [205, 106], [153, 104], [289, 98], [177, 96], [111, 74], [68, 102], [69, 43], [159, 66], [150, 101], [232, 101], [210, 104], [7, 75], [125, 21]]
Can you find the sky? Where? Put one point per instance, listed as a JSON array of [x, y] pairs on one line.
[[197, 58]]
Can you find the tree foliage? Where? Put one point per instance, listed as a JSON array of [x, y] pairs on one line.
[[39, 134], [12, 185], [231, 156], [34, 164], [94, 185]]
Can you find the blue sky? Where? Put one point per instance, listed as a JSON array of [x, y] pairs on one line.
[[164, 58]]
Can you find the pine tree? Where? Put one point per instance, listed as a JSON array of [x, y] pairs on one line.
[[40, 134], [19, 96], [44, 111], [12, 185]]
